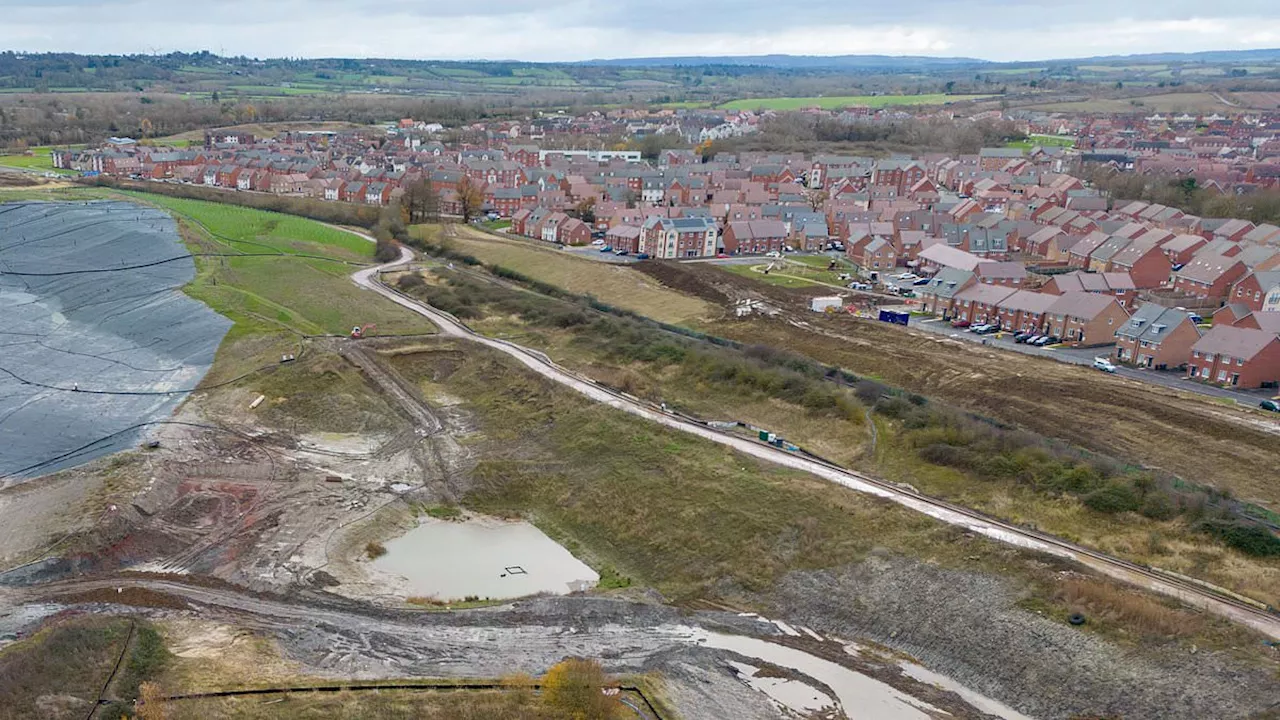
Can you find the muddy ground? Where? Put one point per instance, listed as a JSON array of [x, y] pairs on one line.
[[255, 526]]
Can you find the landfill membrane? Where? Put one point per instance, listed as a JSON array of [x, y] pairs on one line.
[[97, 340]]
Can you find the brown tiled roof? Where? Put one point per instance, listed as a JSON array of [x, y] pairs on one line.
[[1234, 342], [1085, 305]]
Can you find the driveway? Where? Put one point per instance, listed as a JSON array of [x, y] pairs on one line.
[[1085, 356]]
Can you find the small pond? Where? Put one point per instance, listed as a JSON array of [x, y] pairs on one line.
[[484, 558]]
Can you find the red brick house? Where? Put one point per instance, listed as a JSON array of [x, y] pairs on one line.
[[1024, 311], [1251, 290], [979, 303], [573, 232], [938, 296], [1085, 319], [623, 237], [1008, 274], [1117, 285], [518, 221], [876, 255], [1241, 357], [1156, 337], [1146, 264], [1079, 254], [1209, 276], [755, 237], [1230, 229], [1182, 248]]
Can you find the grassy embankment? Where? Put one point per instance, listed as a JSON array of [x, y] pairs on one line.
[[39, 159], [383, 704], [1145, 516], [796, 272], [703, 524], [273, 300], [59, 671], [615, 284]]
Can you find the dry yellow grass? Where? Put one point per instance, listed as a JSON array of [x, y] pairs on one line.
[[617, 285], [1109, 602]]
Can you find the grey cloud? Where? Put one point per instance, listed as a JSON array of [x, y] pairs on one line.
[[577, 29]]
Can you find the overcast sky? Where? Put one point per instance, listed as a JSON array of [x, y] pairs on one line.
[[550, 30]]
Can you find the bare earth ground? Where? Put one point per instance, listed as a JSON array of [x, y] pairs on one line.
[[261, 520]]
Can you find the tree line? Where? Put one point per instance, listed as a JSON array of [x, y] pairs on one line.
[[1187, 194]]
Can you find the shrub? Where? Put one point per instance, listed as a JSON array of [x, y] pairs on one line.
[[410, 281], [948, 455], [893, 406], [444, 512], [374, 550], [1159, 506], [1246, 537], [1114, 497]]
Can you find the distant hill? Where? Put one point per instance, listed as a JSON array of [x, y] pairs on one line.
[[1211, 56], [806, 62], [895, 62]]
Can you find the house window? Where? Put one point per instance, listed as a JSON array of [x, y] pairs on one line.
[[1239, 362]]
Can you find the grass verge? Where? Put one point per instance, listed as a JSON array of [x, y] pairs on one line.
[[613, 284]]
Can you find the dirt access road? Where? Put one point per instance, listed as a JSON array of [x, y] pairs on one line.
[[952, 514]]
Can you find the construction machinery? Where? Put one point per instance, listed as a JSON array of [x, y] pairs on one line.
[[361, 331]]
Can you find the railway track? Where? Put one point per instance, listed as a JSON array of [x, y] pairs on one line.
[[1188, 590]]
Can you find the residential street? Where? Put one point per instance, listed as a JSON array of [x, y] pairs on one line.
[[1085, 356]]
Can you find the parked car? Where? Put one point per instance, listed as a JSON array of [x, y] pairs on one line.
[[597, 242], [959, 323], [1041, 341], [1270, 405], [1103, 364], [642, 256], [978, 328], [621, 252], [721, 255], [989, 329], [606, 248], [1023, 337], [921, 281], [1033, 339], [773, 254]]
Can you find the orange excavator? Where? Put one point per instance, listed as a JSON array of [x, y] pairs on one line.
[[360, 331]]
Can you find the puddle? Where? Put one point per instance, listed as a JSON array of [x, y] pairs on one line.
[[976, 699], [791, 694], [859, 696], [485, 558]]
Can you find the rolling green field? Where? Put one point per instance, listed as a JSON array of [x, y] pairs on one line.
[[1042, 141], [837, 102], [274, 299], [39, 159]]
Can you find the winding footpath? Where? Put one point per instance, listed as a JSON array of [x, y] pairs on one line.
[[1186, 590]]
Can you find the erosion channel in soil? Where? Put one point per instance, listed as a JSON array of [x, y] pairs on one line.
[[97, 340]]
